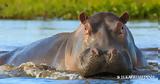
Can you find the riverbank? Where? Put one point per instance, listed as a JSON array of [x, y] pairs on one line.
[[70, 9]]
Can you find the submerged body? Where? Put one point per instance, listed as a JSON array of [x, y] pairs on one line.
[[102, 31]]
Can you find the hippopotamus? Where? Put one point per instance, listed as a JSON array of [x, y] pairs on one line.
[[103, 31]]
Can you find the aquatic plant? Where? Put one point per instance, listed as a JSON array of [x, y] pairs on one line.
[[70, 9]]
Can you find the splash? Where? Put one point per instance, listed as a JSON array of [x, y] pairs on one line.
[[30, 69]]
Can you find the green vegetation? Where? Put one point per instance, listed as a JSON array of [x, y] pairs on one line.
[[70, 9]]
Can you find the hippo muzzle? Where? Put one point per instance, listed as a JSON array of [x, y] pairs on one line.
[[95, 61]]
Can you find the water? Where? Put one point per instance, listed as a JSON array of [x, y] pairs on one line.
[[88, 81], [15, 33]]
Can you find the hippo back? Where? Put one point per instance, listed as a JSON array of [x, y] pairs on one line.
[[49, 51]]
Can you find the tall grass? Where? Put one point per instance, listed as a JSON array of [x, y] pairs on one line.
[[70, 9]]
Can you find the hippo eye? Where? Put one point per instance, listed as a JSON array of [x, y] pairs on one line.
[[122, 27]]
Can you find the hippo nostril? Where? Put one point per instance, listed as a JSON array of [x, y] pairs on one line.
[[111, 55], [114, 51], [95, 51]]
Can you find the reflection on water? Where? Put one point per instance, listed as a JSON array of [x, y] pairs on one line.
[[15, 33]]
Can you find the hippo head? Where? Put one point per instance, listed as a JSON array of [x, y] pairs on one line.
[[103, 31]]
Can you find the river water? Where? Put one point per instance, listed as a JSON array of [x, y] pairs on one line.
[[15, 33]]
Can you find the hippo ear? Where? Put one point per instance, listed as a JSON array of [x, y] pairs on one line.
[[124, 18], [83, 17]]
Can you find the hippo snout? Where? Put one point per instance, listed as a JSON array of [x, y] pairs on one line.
[[94, 61]]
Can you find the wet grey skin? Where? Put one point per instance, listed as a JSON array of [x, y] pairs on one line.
[[103, 31], [96, 61]]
